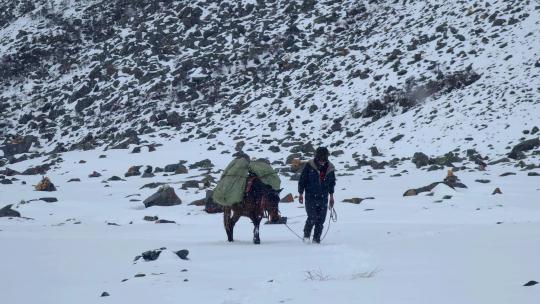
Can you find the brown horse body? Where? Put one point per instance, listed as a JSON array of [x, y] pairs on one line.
[[259, 199]]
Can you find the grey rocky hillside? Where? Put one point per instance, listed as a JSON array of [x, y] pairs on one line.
[[82, 74]]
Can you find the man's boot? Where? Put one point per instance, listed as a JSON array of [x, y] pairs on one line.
[[306, 238]]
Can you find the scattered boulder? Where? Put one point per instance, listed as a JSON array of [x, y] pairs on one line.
[[396, 138], [420, 159], [292, 157], [435, 168], [410, 192], [115, 178], [151, 255], [133, 171], [152, 185], [533, 174], [49, 199], [148, 172], [6, 211], [530, 283], [94, 174], [19, 145], [9, 172], [337, 153], [176, 168], [482, 181], [41, 169], [447, 160], [162, 221], [375, 151], [105, 294], [517, 151], [45, 185], [150, 218], [354, 200], [289, 198], [165, 196], [147, 175], [190, 184], [507, 174], [74, 180], [203, 164], [183, 254], [413, 192], [274, 149], [496, 191]]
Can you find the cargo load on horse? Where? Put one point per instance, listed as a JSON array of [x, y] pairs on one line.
[[231, 188]]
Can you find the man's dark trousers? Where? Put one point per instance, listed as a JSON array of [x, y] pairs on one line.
[[316, 210]]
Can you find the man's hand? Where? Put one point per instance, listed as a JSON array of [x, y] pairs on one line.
[[301, 198], [331, 201]]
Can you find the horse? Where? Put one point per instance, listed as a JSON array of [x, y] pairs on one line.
[[259, 199]]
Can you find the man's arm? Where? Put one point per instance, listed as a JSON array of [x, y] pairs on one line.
[[331, 178], [302, 183]]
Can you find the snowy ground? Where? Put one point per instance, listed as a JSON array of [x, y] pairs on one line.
[[473, 248]]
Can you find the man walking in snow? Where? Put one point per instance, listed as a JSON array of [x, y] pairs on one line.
[[317, 180]]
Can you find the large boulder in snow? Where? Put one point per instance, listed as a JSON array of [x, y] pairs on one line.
[[9, 172], [203, 164], [8, 212], [413, 192], [176, 168], [517, 151], [165, 196], [133, 171], [420, 159], [19, 145]]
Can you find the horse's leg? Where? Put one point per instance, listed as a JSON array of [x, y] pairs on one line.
[[234, 218], [256, 222], [227, 211]]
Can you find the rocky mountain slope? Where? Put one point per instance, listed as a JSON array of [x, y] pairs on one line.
[[406, 76]]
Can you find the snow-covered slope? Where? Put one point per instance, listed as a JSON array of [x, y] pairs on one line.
[[471, 247]]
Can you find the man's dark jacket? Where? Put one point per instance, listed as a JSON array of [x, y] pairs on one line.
[[317, 191]]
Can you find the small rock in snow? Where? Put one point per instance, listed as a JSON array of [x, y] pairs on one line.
[[183, 254]]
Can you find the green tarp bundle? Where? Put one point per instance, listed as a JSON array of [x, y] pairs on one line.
[[230, 188]]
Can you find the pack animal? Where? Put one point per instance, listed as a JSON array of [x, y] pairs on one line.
[[259, 200]]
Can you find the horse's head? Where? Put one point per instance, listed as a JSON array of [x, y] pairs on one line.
[[272, 204]]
